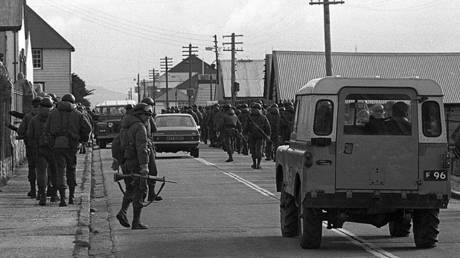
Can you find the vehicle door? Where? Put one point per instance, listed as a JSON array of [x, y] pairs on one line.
[[373, 151]]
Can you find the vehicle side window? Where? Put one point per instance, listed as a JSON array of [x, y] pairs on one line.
[[431, 119], [324, 114]]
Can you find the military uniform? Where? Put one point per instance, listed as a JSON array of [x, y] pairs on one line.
[[257, 128], [243, 117], [230, 129], [40, 142], [67, 128], [30, 152], [273, 117]]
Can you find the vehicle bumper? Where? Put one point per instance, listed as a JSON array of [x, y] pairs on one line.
[[175, 146], [371, 200]]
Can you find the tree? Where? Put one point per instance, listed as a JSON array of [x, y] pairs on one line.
[[79, 90]]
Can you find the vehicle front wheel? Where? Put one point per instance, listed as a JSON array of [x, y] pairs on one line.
[[310, 227], [288, 215], [195, 152], [425, 228]]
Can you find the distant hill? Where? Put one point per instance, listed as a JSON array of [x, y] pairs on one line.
[[102, 94]]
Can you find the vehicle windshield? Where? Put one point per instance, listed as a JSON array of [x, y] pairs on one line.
[[111, 110], [171, 121]]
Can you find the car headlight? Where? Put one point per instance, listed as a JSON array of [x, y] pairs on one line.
[[109, 124]]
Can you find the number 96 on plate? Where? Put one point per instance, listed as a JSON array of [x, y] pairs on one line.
[[435, 175]]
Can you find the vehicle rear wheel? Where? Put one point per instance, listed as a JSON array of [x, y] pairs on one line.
[[310, 227], [288, 215], [195, 152], [400, 227], [425, 229]]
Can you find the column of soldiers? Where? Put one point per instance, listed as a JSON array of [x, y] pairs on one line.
[[257, 129], [53, 132]]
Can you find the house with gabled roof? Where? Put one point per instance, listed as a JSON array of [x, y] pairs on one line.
[[51, 54], [290, 70]]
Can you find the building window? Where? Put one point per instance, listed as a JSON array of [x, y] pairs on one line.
[[37, 58]]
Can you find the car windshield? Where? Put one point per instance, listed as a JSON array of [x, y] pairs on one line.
[[171, 121]]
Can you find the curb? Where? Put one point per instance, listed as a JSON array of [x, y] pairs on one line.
[[82, 244]]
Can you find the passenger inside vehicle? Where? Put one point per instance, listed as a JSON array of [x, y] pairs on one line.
[[399, 123]]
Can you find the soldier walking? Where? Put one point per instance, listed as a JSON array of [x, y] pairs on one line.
[[67, 128], [137, 154], [273, 116], [230, 128], [30, 153], [257, 129], [243, 117], [40, 142]]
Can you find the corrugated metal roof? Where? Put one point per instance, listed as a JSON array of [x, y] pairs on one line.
[[293, 69], [42, 34], [249, 74]]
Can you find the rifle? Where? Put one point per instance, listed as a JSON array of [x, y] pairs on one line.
[[151, 194], [11, 127], [16, 114], [260, 130]]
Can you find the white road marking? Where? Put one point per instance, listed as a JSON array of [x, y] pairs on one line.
[[368, 247]]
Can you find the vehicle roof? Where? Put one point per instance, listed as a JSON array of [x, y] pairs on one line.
[[332, 85], [174, 114], [116, 103]]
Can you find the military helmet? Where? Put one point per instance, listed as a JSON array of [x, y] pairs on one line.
[[226, 106], [129, 106], [46, 102], [69, 98], [143, 108], [256, 105], [148, 101], [244, 105], [36, 101]]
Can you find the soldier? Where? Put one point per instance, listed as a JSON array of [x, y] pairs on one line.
[[273, 116], [243, 117], [257, 128], [136, 147], [40, 142], [67, 128], [230, 128], [30, 153], [151, 129]]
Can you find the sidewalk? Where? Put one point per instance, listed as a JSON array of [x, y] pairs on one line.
[[30, 230]]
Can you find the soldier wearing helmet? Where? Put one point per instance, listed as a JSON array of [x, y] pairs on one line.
[[67, 128], [138, 154], [40, 142], [243, 117], [273, 116], [230, 129], [30, 153], [257, 129]]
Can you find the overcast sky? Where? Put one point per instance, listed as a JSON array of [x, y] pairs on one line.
[[116, 39]]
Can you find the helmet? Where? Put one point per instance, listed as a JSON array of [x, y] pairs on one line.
[[244, 105], [129, 107], [36, 101], [148, 101], [143, 109], [46, 102], [256, 105], [226, 106], [274, 105], [69, 98]]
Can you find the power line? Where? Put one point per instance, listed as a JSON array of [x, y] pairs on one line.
[[232, 43]]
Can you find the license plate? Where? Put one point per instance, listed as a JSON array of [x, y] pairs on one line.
[[435, 175], [174, 138]]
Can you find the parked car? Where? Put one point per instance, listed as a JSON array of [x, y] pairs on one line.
[[177, 132], [108, 120]]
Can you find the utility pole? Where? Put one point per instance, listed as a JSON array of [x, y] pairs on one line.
[[153, 76], [165, 63], [327, 31], [217, 64], [233, 50], [145, 89], [190, 50]]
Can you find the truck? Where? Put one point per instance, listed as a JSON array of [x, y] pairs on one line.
[[108, 115], [365, 150]]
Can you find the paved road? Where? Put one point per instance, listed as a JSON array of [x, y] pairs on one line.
[[220, 209]]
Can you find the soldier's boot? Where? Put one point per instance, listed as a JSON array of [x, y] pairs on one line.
[[71, 194], [254, 165], [62, 196], [258, 163], [54, 195], [33, 191], [230, 158], [121, 216], [41, 196], [137, 219]]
